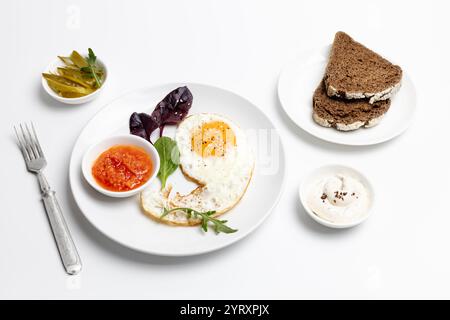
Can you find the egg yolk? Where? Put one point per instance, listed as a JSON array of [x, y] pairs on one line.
[[212, 139]]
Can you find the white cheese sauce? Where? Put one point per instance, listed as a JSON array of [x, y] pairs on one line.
[[339, 198]]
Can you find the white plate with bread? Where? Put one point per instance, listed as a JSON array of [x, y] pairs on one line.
[[347, 94], [127, 221]]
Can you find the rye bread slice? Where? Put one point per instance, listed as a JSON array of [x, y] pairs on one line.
[[356, 72], [346, 115]]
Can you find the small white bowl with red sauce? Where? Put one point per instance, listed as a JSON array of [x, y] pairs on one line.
[[120, 166]]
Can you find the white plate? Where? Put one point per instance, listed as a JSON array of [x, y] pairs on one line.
[[122, 219], [301, 77]]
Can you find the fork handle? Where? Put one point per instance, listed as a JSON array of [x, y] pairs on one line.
[[66, 247]]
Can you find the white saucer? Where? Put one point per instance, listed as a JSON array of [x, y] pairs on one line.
[[301, 77]]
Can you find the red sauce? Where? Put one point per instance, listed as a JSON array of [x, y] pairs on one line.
[[122, 168]]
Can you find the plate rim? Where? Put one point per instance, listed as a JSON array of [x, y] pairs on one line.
[[305, 53], [196, 252]]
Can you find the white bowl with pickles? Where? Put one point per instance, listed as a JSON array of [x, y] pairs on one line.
[[75, 79]]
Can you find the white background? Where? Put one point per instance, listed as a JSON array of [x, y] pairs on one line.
[[400, 252]]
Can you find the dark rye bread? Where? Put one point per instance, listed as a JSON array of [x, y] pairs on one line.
[[356, 72], [346, 115]]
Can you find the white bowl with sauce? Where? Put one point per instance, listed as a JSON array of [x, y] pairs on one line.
[[92, 154], [315, 179]]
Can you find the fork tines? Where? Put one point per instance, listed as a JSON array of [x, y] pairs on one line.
[[28, 141]]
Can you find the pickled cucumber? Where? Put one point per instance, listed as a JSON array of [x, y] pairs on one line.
[[78, 77], [78, 60], [66, 60], [61, 88]]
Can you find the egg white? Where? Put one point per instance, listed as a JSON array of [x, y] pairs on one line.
[[222, 180]]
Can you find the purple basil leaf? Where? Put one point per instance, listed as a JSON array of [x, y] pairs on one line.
[[175, 106], [170, 111], [142, 125], [137, 126]]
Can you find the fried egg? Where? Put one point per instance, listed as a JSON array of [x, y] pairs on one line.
[[215, 154]]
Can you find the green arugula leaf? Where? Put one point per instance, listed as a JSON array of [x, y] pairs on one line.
[[169, 157], [91, 69], [205, 217], [92, 58]]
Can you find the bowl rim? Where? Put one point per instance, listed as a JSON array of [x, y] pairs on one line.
[[119, 194], [365, 180], [79, 100]]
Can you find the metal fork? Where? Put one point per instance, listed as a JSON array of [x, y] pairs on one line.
[[35, 162]]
